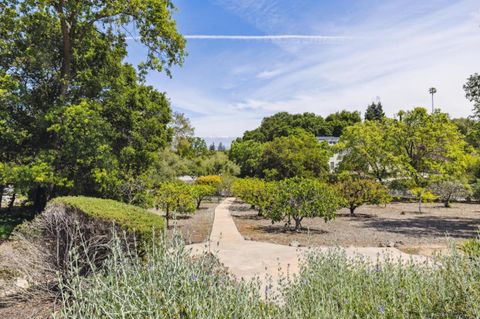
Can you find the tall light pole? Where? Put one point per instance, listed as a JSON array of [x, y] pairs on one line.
[[432, 91]]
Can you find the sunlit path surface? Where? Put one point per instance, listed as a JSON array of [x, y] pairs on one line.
[[248, 259]]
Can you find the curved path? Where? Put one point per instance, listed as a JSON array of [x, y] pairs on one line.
[[248, 259]]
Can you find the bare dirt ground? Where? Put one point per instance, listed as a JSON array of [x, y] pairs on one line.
[[194, 228], [397, 224], [29, 309]]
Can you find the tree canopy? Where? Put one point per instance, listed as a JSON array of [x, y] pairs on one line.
[[77, 119], [374, 112]]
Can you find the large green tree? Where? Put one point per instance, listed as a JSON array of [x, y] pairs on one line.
[[77, 118], [297, 155], [369, 150], [339, 121], [429, 147]]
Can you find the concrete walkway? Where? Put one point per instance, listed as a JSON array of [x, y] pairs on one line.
[[248, 259]]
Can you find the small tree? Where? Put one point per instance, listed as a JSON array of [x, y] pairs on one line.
[[449, 190], [360, 191], [422, 194], [201, 191], [211, 180], [255, 192], [298, 198], [175, 197]]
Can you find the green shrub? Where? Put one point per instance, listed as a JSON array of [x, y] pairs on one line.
[[82, 227], [128, 217], [333, 286], [471, 247]]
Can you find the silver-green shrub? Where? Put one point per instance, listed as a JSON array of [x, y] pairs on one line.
[[331, 285], [168, 283]]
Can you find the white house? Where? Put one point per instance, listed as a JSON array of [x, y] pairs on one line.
[[337, 157]]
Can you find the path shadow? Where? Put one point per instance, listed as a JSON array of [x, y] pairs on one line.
[[279, 229], [248, 216], [240, 208], [356, 216], [182, 217], [428, 226]]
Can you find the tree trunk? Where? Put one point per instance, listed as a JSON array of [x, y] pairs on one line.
[[199, 201], [39, 196], [260, 212], [298, 223], [2, 188], [447, 202], [67, 50], [167, 216], [12, 201], [352, 211], [420, 205]]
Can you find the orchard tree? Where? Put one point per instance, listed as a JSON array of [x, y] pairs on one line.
[[68, 102], [175, 197], [200, 192], [448, 190], [360, 191], [299, 198], [422, 195], [255, 192]]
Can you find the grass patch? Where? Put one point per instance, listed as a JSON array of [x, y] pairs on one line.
[[128, 217], [9, 219]]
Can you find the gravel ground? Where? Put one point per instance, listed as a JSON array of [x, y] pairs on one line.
[[195, 228], [396, 224]]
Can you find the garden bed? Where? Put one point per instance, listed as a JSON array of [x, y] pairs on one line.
[[396, 224]]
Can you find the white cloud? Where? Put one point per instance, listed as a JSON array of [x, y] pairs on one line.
[[403, 54]]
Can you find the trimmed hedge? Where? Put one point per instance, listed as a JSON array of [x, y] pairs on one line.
[[128, 217]]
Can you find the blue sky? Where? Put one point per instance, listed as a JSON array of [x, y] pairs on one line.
[[348, 54]]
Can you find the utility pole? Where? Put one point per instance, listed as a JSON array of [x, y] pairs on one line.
[[432, 91]]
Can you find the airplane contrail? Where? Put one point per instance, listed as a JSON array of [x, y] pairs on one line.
[[279, 37], [266, 37]]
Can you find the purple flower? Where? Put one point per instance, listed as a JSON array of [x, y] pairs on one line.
[[381, 309], [194, 277]]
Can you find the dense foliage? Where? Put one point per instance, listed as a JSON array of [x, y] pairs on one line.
[[299, 198], [127, 217], [296, 155], [360, 191], [374, 112], [418, 148], [175, 197], [76, 119]]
